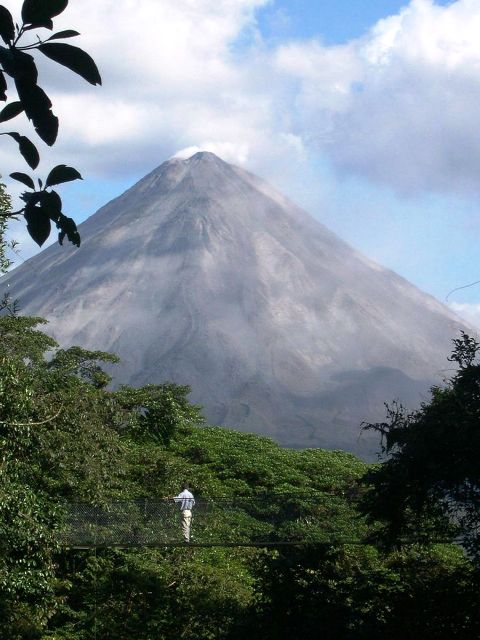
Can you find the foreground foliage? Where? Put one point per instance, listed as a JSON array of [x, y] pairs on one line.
[[66, 437], [42, 206]]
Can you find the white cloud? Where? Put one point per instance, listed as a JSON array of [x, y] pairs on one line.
[[326, 74], [470, 312], [237, 154], [171, 78], [400, 105]]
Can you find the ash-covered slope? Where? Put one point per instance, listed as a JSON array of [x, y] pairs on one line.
[[203, 274]]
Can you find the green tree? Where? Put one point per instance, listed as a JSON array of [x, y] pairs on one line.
[[57, 442], [359, 593], [432, 476], [27, 515], [5, 210], [154, 413]]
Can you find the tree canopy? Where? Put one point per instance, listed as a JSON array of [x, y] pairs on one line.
[[432, 473], [66, 437]]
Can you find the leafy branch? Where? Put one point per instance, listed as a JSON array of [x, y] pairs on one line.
[[37, 424], [42, 207]]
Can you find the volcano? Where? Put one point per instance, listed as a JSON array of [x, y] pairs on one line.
[[203, 274]]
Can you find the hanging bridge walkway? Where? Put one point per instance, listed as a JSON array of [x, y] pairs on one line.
[[261, 521]]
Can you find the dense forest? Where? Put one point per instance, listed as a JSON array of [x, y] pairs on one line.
[[361, 563]]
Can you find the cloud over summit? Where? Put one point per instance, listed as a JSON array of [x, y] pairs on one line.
[[397, 106]]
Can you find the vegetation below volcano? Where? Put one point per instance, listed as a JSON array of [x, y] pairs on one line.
[[66, 438]]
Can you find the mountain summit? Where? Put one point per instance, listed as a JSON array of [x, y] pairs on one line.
[[203, 274]]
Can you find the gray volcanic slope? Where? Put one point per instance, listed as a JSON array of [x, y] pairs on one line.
[[205, 275]]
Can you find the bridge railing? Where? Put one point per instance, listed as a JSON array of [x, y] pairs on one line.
[[258, 519]]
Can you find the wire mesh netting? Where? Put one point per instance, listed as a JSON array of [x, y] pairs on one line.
[[323, 518], [215, 521]]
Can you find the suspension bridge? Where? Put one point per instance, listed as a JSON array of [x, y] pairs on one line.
[[242, 521]]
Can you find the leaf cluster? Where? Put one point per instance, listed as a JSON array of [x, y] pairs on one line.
[[5, 246], [432, 475], [42, 206], [359, 593]]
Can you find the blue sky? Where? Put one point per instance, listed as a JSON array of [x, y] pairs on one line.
[[364, 112], [333, 21]]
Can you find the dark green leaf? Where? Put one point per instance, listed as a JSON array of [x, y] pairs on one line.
[[74, 59], [68, 228], [62, 173], [52, 203], [7, 28], [6, 60], [46, 126], [39, 12], [27, 149], [23, 66], [31, 197], [38, 223], [69, 33], [23, 178], [38, 109], [29, 152], [47, 24], [3, 87], [10, 111]]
